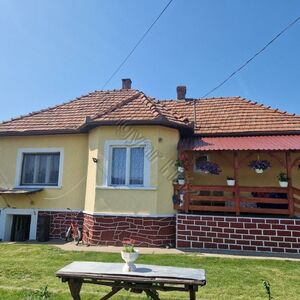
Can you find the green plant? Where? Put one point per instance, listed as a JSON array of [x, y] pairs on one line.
[[128, 246], [282, 176], [230, 178], [180, 176], [40, 294], [179, 163], [260, 164], [267, 286], [182, 160]]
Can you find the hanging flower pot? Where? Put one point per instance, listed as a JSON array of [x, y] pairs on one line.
[[181, 162], [259, 166], [181, 181], [283, 184], [181, 197], [283, 180], [230, 181], [180, 169], [209, 167]]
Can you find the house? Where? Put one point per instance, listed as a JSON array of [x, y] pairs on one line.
[[108, 160]]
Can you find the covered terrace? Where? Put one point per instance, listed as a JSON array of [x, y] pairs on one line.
[[220, 175]]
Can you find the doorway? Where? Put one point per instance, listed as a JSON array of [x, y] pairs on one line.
[[20, 228]]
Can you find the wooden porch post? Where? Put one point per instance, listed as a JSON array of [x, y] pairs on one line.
[[236, 186], [290, 186], [188, 174]]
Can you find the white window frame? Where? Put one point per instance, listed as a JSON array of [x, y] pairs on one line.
[[109, 145], [195, 158], [19, 165]]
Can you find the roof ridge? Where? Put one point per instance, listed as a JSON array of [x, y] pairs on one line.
[[176, 114], [116, 106], [154, 103]]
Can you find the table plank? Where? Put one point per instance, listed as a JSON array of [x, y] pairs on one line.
[[143, 272]]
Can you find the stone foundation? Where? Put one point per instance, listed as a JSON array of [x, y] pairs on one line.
[[59, 222], [112, 230], [238, 233]]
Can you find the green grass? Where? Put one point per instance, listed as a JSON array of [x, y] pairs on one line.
[[26, 268]]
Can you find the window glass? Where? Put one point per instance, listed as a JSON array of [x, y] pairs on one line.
[[40, 169], [136, 166], [118, 166]]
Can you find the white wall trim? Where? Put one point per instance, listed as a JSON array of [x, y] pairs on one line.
[[5, 221], [107, 158], [126, 187], [138, 215], [60, 210], [38, 150]]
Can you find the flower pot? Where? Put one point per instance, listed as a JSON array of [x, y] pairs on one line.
[[181, 181], [129, 259], [231, 182], [180, 169], [283, 184], [259, 171]]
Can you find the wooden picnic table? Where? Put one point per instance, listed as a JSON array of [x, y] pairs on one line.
[[147, 278]]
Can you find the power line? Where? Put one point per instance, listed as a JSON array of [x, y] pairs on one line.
[[136, 45], [253, 57]]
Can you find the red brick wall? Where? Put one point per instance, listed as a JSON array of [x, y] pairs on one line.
[[238, 233], [112, 230], [59, 222]]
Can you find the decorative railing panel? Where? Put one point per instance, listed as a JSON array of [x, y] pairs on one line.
[[233, 199]]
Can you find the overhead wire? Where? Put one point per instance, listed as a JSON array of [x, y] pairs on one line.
[[136, 45], [252, 57]]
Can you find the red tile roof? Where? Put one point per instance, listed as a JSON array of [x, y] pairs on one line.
[[99, 107], [214, 116], [235, 115], [279, 142]]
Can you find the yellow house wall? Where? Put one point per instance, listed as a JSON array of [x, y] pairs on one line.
[[70, 195], [155, 200], [247, 176]]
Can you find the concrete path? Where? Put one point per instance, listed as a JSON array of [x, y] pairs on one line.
[[206, 253]]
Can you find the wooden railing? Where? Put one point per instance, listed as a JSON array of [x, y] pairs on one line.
[[241, 199], [296, 200]]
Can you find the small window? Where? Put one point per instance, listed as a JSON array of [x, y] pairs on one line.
[[198, 160], [127, 166], [40, 169]]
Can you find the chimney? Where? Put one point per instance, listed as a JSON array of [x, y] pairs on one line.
[[126, 84], [181, 91]]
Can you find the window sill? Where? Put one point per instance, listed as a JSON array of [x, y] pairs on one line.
[[38, 187], [138, 188]]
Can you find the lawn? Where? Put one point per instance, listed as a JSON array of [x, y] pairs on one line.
[[26, 268]]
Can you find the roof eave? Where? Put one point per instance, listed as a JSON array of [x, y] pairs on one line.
[[187, 128], [248, 133], [39, 132]]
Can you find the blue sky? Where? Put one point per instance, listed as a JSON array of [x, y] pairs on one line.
[[54, 51]]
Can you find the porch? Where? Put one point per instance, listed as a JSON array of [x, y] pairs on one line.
[[251, 194]]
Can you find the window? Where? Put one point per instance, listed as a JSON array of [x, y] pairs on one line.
[[39, 167], [198, 161], [127, 164]]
